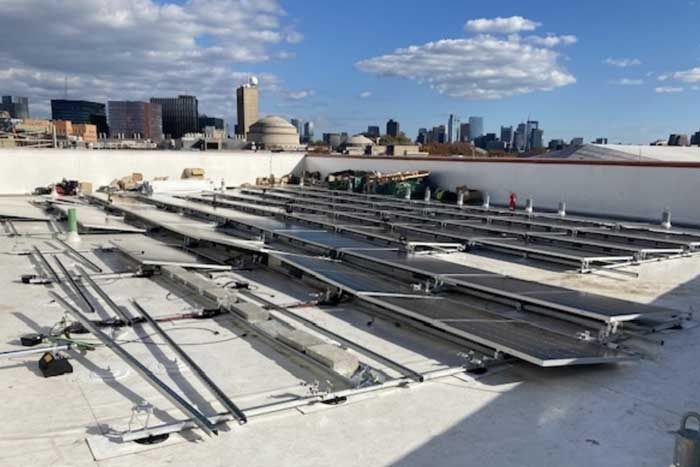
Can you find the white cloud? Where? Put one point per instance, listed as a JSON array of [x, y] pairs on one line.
[[294, 37], [480, 67], [365, 94], [137, 49], [687, 76], [628, 82], [622, 62], [501, 25], [667, 89], [299, 95], [551, 40]]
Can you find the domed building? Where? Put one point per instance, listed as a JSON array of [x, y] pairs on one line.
[[274, 133], [357, 145]]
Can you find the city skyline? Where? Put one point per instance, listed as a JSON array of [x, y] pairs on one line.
[[613, 82]]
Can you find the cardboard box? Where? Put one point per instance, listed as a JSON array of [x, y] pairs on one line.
[[86, 187], [193, 172]]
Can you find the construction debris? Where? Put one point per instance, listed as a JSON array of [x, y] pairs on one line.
[[394, 184], [128, 183], [193, 173]]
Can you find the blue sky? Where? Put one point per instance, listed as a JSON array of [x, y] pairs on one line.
[[315, 59], [663, 35]]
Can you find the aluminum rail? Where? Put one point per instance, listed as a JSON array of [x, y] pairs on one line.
[[46, 264], [115, 308], [76, 287], [80, 256], [328, 333], [196, 369], [23, 352], [263, 410], [195, 415], [11, 226]]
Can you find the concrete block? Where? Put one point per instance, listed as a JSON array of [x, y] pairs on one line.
[[299, 339], [250, 312], [272, 327], [335, 358], [221, 296], [189, 279]]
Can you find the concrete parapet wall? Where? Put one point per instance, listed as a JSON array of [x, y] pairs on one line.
[[627, 190], [23, 169]]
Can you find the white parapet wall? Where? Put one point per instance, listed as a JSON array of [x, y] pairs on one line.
[[628, 190], [23, 169]]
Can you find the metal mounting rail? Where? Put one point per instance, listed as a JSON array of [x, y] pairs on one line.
[[35, 350], [80, 256], [414, 375], [46, 264], [115, 308], [11, 227], [197, 417], [198, 371], [76, 287], [275, 407]]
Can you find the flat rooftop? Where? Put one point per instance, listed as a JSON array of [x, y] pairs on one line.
[[171, 255]]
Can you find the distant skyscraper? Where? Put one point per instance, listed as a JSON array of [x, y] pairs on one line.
[[180, 115], [373, 132], [453, 129], [80, 112], [578, 141], [556, 144], [422, 137], [132, 119], [529, 128], [438, 134], [476, 127], [464, 135], [695, 139], [537, 138], [299, 125], [332, 139], [205, 121], [678, 140], [392, 128], [247, 106], [18, 107], [309, 132], [520, 140], [601, 141], [507, 135]]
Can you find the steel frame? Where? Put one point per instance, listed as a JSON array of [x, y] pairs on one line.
[[191, 412], [45, 263], [196, 369], [80, 257], [75, 285], [123, 315]]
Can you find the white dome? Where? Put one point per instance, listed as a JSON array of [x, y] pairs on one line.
[[253, 81], [273, 131], [359, 140]]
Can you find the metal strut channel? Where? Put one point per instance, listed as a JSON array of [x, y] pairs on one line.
[[196, 416], [116, 308], [80, 256], [76, 287], [11, 227], [46, 264], [203, 378], [414, 375]]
